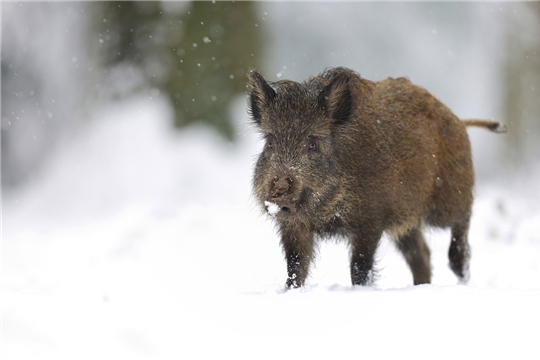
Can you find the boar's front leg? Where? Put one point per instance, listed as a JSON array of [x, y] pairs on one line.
[[297, 245], [363, 244]]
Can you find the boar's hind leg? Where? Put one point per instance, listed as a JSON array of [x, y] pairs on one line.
[[416, 253], [459, 253], [298, 248], [363, 248]]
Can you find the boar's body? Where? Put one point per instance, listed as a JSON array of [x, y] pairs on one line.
[[348, 156]]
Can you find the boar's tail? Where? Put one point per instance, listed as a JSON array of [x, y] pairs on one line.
[[487, 124]]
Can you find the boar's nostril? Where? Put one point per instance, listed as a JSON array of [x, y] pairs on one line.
[[281, 186]]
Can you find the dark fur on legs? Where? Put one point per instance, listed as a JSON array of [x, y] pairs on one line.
[[417, 254], [298, 247], [459, 253]]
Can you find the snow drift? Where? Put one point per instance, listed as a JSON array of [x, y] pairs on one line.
[[136, 242]]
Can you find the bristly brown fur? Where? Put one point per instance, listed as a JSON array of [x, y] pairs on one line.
[[351, 157], [261, 94]]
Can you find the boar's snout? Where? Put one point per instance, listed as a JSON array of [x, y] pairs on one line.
[[281, 186], [282, 199]]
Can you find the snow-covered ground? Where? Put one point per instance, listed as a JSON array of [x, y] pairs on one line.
[[138, 243]]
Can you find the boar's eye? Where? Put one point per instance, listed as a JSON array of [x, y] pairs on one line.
[[312, 144], [270, 142]]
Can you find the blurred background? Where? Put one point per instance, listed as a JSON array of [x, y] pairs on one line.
[[61, 62], [127, 155]]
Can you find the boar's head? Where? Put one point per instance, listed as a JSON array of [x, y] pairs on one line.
[[298, 175]]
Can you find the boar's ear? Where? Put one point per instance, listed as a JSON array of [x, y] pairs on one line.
[[260, 95], [337, 99]]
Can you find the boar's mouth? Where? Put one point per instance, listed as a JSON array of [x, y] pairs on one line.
[[281, 206], [285, 206]]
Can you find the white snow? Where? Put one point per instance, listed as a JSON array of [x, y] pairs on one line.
[[136, 243], [272, 208]]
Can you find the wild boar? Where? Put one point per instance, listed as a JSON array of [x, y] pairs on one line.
[[348, 157]]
